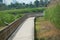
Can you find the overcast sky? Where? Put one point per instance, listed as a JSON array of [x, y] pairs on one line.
[[25, 1], [20, 1]]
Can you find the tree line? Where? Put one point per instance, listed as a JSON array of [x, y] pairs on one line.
[[17, 5]]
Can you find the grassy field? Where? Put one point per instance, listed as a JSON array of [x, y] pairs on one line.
[[8, 16], [26, 10]]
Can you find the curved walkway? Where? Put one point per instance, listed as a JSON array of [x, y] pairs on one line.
[[26, 32]]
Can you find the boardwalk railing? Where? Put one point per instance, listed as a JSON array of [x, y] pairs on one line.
[[5, 33]]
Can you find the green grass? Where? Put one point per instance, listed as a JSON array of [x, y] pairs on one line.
[[53, 14], [8, 16], [26, 10], [38, 23]]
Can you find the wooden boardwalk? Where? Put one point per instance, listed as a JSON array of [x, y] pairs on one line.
[[26, 32]]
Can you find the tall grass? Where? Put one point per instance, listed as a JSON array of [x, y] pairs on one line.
[[53, 14], [9, 16], [26, 10], [6, 18]]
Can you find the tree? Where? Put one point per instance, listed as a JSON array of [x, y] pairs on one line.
[[3, 6], [46, 3], [16, 5], [31, 5], [23, 4], [36, 3], [41, 3], [27, 5]]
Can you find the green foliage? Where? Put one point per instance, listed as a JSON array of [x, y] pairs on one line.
[[8, 16], [37, 3], [17, 5], [53, 14], [3, 7], [26, 10]]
